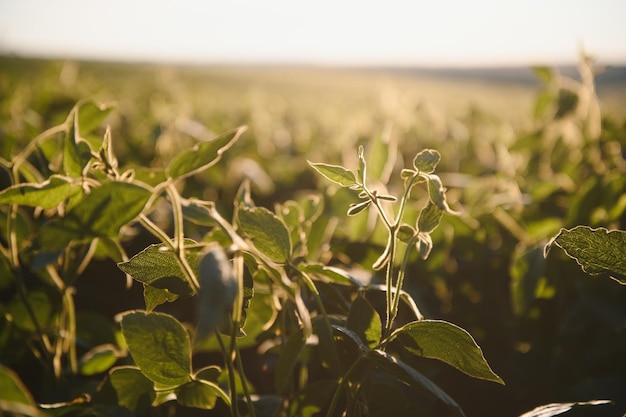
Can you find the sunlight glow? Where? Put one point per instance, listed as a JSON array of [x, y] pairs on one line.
[[345, 32]]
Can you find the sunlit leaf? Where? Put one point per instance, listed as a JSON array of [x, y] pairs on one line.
[[362, 168], [424, 245], [76, 151], [200, 393], [335, 173], [98, 360], [91, 115], [437, 193], [203, 155], [157, 267], [426, 161], [356, 208], [134, 391], [597, 251], [429, 218], [268, 232], [102, 212], [554, 409], [448, 343], [364, 320], [160, 347], [405, 233], [47, 195]]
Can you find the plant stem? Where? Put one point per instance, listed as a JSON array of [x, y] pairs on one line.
[[179, 236], [228, 361]]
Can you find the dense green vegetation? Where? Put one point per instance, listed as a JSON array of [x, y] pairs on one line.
[[158, 258]]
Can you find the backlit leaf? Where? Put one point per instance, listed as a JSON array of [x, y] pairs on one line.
[[160, 347], [335, 173], [200, 394], [268, 232], [46, 195], [100, 213], [437, 193], [157, 267], [448, 343], [597, 251], [98, 360], [134, 390], [554, 409], [429, 218], [426, 161], [203, 155], [364, 320]]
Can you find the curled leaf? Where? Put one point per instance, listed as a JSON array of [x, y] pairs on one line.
[[356, 208]]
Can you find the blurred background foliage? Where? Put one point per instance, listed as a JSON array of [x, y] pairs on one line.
[[520, 161]]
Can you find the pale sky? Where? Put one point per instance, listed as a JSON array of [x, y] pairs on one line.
[[323, 32]]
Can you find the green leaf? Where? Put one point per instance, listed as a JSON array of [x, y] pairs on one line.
[[364, 320], [405, 233], [157, 267], [100, 213], [98, 360], [555, 409], [448, 343], [545, 74], [335, 173], [203, 155], [218, 290], [267, 231], [200, 394], [429, 218], [356, 208], [362, 168], [289, 356], [154, 296], [91, 115], [42, 307], [597, 251], [12, 389], [424, 244], [160, 347], [76, 151], [46, 195], [437, 193], [134, 391], [412, 377], [426, 161]]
